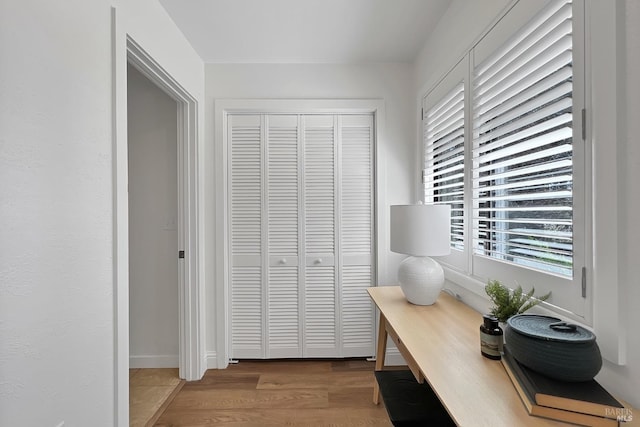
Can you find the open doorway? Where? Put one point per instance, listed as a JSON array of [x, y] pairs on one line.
[[191, 349], [153, 247], [153, 233]]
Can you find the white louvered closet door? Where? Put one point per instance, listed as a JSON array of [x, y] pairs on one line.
[[320, 294], [301, 224], [284, 333], [247, 310], [356, 233]]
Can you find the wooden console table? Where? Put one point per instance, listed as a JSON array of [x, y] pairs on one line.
[[441, 345]]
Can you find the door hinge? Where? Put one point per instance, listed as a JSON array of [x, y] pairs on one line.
[[422, 114], [584, 124], [584, 282], [180, 254]]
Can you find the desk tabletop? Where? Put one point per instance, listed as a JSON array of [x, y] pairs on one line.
[[444, 340]]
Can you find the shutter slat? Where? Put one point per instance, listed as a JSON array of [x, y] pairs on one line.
[[443, 145], [548, 48], [436, 112], [560, 8], [532, 183], [547, 119], [545, 208], [456, 177], [548, 196], [529, 222], [564, 149], [540, 168], [518, 90], [448, 170], [445, 159], [535, 99], [451, 122]]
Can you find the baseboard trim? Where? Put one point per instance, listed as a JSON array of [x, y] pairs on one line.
[[392, 358], [212, 360], [153, 361]]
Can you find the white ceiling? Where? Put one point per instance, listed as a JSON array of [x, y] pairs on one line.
[[306, 31]]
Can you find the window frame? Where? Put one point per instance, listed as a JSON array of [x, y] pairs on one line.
[[471, 270]]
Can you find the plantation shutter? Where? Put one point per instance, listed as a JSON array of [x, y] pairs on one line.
[[443, 138], [247, 309], [283, 319], [320, 297], [444, 147], [356, 225], [522, 146]]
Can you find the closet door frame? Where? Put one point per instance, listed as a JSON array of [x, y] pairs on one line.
[[225, 107]]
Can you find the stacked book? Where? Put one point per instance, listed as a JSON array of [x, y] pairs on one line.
[[583, 403]]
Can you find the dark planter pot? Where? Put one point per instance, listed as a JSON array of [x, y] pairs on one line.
[[557, 349]]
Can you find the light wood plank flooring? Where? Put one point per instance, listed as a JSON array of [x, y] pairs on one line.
[[279, 393], [149, 390]]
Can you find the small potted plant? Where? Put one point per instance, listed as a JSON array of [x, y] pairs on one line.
[[507, 303]]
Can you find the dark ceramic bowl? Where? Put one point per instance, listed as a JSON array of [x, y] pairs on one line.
[[557, 349]]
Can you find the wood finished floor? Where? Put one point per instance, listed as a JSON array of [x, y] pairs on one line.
[[279, 393], [149, 389]]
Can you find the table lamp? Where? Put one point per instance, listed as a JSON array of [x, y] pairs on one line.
[[421, 231]]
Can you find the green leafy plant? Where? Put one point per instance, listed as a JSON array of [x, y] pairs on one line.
[[507, 303]]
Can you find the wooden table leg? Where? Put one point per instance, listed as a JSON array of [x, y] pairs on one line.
[[380, 355]]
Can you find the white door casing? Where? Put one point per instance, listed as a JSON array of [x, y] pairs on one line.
[[226, 107], [192, 360], [192, 357]]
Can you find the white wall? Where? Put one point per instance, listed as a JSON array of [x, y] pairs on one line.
[[56, 200], [461, 26], [56, 181], [625, 380], [153, 233], [389, 82]]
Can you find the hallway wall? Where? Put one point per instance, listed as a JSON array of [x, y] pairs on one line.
[[58, 281]]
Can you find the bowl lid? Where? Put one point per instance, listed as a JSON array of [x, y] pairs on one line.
[[549, 328]]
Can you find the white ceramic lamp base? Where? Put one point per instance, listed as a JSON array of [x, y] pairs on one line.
[[421, 280]]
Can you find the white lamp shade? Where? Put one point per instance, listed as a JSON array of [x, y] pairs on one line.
[[421, 230]]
